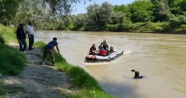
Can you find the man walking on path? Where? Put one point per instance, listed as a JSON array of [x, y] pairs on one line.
[[30, 31], [49, 49]]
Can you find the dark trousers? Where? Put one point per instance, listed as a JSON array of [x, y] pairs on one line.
[[31, 41], [22, 45], [46, 52]]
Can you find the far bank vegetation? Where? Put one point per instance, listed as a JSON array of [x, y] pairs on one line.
[[162, 16]]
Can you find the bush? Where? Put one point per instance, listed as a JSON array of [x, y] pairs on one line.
[[12, 61], [2, 88], [158, 29], [117, 27], [182, 28], [8, 34], [2, 41]]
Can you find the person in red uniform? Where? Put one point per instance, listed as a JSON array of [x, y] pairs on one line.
[[102, 52], [92, 50]]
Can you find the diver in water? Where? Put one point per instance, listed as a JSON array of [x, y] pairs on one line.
[[136, 74]]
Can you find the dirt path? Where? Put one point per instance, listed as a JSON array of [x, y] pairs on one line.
[[38, 81]]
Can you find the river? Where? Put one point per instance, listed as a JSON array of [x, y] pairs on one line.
[[160, 58]]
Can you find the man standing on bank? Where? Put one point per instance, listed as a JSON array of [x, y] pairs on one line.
[[49, 49], [30, 31], [21, 37]]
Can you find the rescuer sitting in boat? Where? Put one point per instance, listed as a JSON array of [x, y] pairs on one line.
[[105, 46], [111, 50], [102, 52], [93, 50]]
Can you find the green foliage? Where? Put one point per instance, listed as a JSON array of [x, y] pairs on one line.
[[99, 16], [122, 8], [79, 21], [116, 28], [8, 34], [177, 7], [159, 26], [141, 11], [40, 44], [80, 78], [2, 41], [2, 88], [12, 61], [8, 9], [53, 14], [176, 22], [45, 14], [161, 10], [182, 28]]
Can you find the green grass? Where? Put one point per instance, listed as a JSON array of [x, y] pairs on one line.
[[80, 78], [8, 34], [2, 88], [12, 61]]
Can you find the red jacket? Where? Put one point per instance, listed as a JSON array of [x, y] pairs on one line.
[[102, 52]]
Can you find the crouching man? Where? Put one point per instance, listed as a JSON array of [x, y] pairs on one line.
[[49, 49]]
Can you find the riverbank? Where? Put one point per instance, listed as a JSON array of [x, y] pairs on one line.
[[36, 80], [40, 81], [140, 27], [43, 81], [89, 87]]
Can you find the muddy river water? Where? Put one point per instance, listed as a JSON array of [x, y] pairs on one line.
[[160, 58]]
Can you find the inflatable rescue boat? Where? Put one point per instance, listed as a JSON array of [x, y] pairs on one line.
[[104, 58]]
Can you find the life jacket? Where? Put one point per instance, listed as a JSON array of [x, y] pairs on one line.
[[102, 52]]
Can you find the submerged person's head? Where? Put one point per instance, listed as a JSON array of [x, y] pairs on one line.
[[54, 39]]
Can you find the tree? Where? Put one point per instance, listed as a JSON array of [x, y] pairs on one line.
[[8, 9], [105, 14], [99, 15], [122, 8], [62, 7], [79, 21], [92, 14], [36, 9], [161, 10], [141, 11], [178, 7]]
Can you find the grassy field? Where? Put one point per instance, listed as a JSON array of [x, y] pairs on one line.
[[80, 78]]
